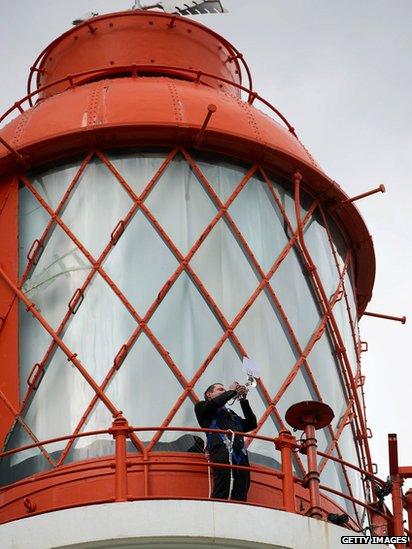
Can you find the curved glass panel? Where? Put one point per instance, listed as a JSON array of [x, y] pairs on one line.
[[317, 242], [186, 326], [266, 341], [33, 219], [256, 214], [181, 205], [294, 291], [229, 263], [333, 476], [340, 313], [107, 203], [145, 369], [138, 242], [223, 177], [138, 169], [326, 372]]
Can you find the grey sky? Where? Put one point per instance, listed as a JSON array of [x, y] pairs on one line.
[[341, 73]]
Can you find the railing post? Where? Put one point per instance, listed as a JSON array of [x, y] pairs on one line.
[[145, 472], [310, 415], [397, 503], [408, 507], [120, 430], [286, 443], [312, 476]]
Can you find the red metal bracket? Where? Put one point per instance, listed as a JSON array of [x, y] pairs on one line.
[[387, 317], [35, 376], [199, 138], [76, 301]]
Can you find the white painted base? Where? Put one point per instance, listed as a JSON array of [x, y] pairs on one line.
[[171, 524]]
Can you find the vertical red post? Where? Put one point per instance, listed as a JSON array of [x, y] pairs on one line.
[[408, 507], [312, 476], [146, 472], [286, 443], [397, 503], [120, 430], [310, 415]]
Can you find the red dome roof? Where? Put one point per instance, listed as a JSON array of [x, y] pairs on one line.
[[165, 110]]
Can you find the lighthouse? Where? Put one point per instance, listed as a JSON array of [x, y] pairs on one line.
[[159, 228]]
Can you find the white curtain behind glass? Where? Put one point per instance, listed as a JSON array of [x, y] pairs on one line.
[[144, 387]]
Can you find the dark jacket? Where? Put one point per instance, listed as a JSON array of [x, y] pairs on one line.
[[206, 410]]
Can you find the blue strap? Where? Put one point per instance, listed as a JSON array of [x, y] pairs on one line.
[[237, 457], [214, 425]]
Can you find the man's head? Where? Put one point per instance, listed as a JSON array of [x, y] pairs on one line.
[[214, 390]]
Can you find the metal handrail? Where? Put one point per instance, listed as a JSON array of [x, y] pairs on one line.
[[130, 429], [152, 68], [172, 17], [120, 431]]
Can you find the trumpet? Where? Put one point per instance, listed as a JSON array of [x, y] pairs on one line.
[[250, 383]]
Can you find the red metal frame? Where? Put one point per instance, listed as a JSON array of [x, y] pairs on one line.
[[255, 143], [297, 239], [121, 469]]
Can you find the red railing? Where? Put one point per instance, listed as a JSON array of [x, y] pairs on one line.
[[285, 442], [235, 55], [134, 70]]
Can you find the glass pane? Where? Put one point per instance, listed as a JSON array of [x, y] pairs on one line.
[[326, 371], [92, 446], [181, 205], [144, 388], [261, 451], [300, 390], [137, 168], [225, 368], [339, 243], [22, 464], [107, 202], [293, 289], [98, 330], [53, 183], [33, 219], [285, 190], [222, 176], [58, 403], [333, 477], [183, 441], [317, 242], [260, 222], [265, 342], [224, 270], [185, 326], [342, 320], [347, 446], [353, 310], [33, 344], [140, 263], [61, 269]]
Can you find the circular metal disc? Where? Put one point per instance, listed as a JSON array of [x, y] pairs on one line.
[[307, 412]]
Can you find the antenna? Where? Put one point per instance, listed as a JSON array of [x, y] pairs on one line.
[[184, 7]]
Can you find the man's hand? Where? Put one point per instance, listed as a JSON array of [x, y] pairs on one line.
[[234, 386], [241, 391]]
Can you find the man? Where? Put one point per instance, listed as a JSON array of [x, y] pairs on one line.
[[212, 413]]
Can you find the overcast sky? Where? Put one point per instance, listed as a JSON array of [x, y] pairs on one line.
[[341, 72]]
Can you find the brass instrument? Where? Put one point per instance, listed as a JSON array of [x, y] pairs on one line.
[[252, 374]]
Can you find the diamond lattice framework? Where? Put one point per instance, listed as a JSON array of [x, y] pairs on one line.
[[176, 210]]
